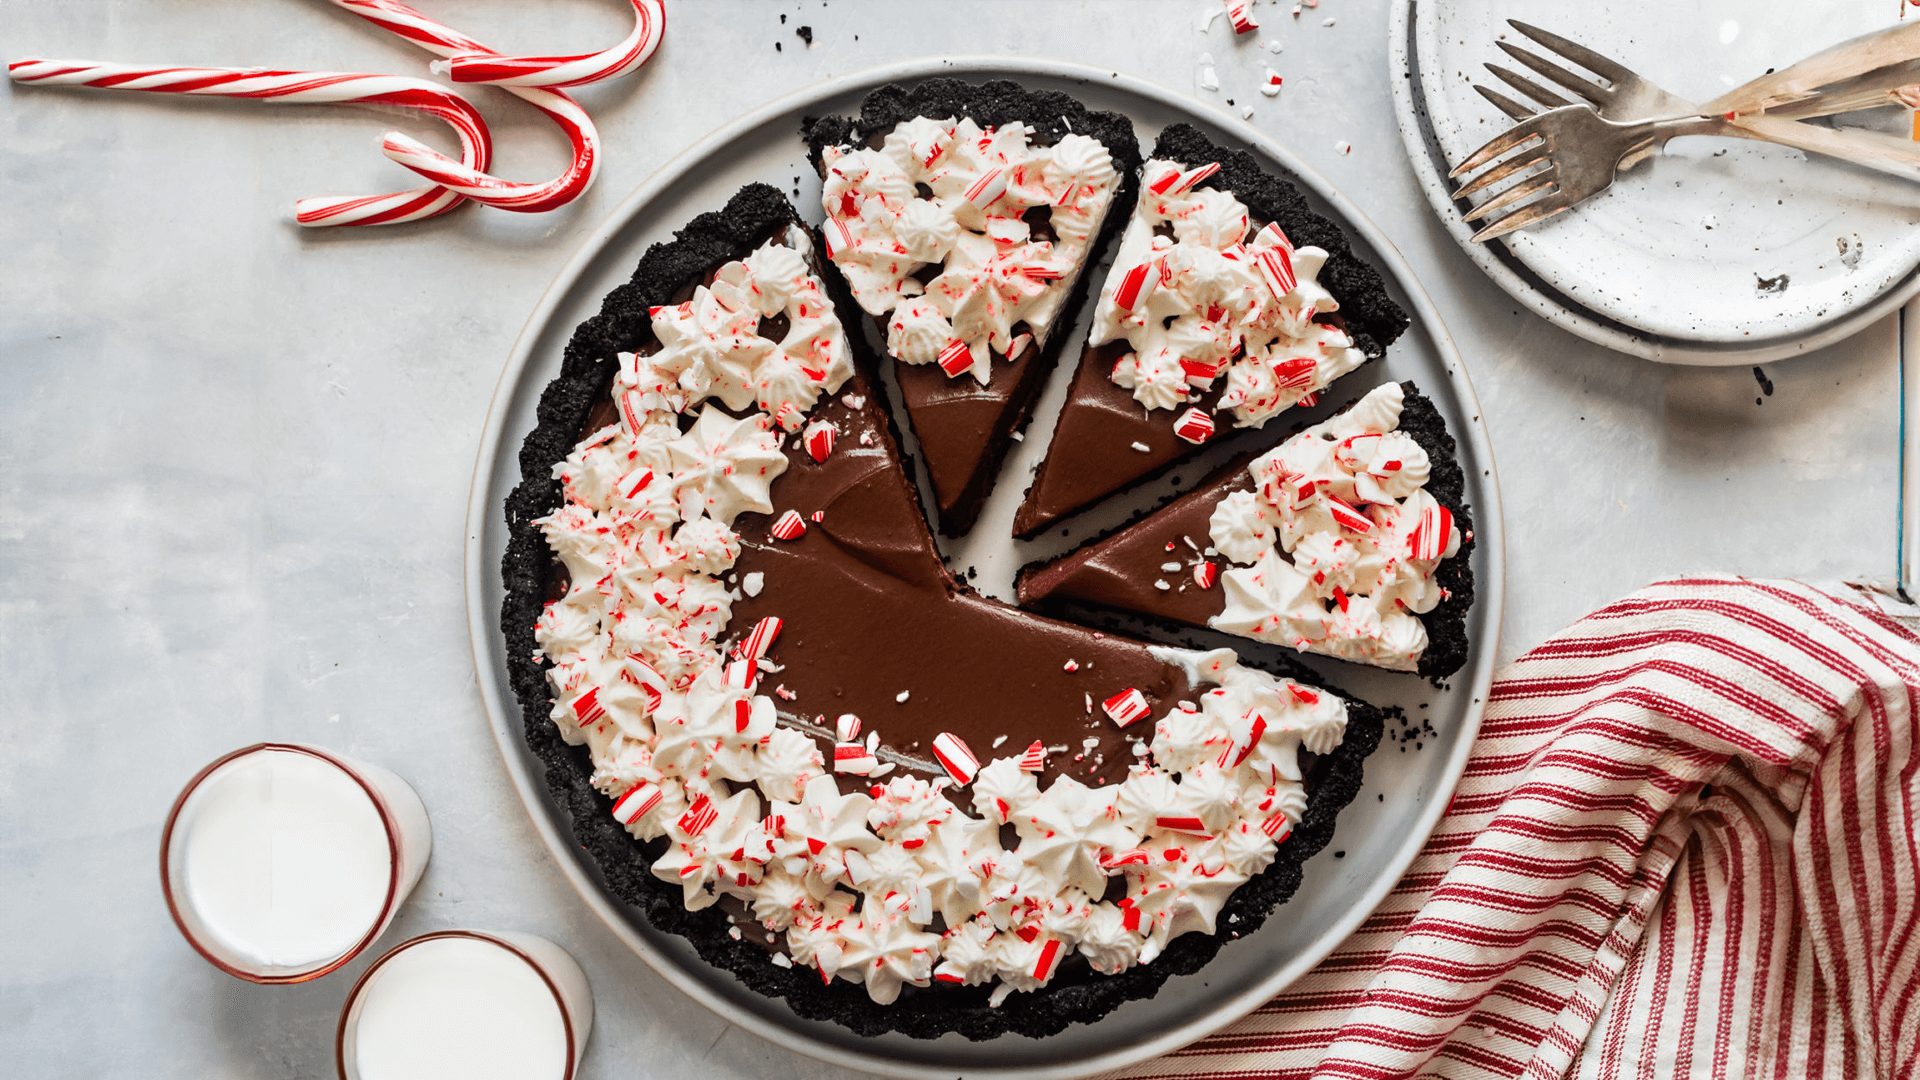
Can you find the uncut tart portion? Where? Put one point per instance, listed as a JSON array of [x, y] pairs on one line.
[[870, 550], [1206, 338], [1205, 532], [962, 218]]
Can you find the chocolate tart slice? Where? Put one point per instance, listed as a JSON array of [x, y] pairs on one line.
[[1169, 566], [963, 217], [1106, 439], [871, 623]]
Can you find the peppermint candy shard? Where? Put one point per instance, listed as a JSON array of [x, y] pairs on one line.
[[838, 239], [1276, 269], [698, 816], [1205, 574], [955, 358], [1126, 706], [1277, 827], [846, 728], [632, 412], [1020, 341], [639, 799], [991, 185], [632, 484], [1184, 824], [1049, 958], [1166, 180], [1296, 372], [819, 438], [1273, 237], [1429, 537], [788, 526], [742, 674], [1133, 287], [1194, 426], [642, 674], [1188, 179], [1035, 759], [1130, 857], [760, 641], [1246, 735], [1302, 694], [956, 757], [853, 758], [587, 708], [1199, 373], [1349, 518], [1240, 14]]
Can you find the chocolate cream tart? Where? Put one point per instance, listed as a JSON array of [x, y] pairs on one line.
[[1229, 303], [785, 732]]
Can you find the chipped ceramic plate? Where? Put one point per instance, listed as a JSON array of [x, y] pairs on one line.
[[1718, 251], [1378, 837]]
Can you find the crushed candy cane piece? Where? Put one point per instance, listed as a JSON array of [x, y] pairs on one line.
[[956, 757], [1126, 706], [639, 799]]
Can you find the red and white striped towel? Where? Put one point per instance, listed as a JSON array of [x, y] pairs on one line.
[[1685, 845]]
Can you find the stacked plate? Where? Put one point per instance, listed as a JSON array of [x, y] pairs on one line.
[[1718, 251]]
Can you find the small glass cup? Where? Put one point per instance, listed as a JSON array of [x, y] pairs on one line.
[[359, 859], [466, 1003]]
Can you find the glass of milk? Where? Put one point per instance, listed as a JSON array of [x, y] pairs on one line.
[[467, 1005], [281, 862]]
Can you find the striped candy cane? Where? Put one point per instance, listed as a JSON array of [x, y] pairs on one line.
[[302, 88], [649, 23], [475, 183]]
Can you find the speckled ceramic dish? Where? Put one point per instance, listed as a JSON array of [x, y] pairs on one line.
[[1718, 251], [1376, 837]]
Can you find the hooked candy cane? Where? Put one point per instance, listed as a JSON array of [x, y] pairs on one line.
[[649, 23], [298, 87], [477, 184]]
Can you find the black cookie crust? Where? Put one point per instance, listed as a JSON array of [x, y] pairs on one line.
[[1374, 321], [1050, 114], [1447, 623], [1077, 994]]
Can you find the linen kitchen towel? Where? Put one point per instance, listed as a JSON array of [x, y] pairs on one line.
[[1685, 846]]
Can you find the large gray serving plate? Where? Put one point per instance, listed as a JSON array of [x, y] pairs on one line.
[[1406, 790]]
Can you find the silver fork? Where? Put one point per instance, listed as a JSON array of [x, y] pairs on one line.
[[1634, 118]]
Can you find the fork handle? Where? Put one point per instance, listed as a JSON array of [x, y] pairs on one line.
[[1871, 149]]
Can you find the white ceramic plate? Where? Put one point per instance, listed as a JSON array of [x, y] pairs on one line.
[[1668, 262], [1378, 835]]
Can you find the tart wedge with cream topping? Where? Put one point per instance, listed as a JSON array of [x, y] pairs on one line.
[[962, 218], [1229, 302], [1350, 539]]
